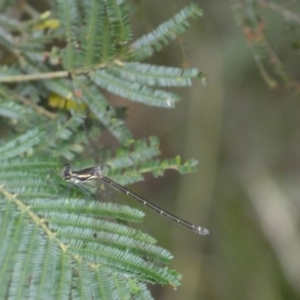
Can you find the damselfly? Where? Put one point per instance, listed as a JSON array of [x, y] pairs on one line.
[[95, 173]]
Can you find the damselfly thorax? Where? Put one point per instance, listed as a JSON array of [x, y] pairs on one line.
[[81, 176], [95, 173]]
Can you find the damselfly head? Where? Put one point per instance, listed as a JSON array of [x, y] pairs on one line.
[[67, 172]]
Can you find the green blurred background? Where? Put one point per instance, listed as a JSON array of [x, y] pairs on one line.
[[246, 138]]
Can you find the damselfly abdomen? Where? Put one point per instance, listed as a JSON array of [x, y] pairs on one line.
[[95, 173]]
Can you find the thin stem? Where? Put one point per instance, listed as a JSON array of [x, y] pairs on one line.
[[38, 76]]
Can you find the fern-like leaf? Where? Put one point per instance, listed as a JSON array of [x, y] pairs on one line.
[[133, 90], [167, 31], [68, 15], [129, 166], [92, 33], [152, 75], [98, 106], [118, 18], [21, 144]]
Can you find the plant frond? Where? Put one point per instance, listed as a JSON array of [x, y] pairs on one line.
[[97, 103], [134, 153], [133, 91], [162, 35], [129, 165], [141, 291], [10, 250], [8, 22], [45, 267], [6, 38], [63, 276], [104, 30], [68, 134], [108, 49], [152, 75], [21, 144], [26, 256], [62, 87], [93, 30], [103, 289], [121, 31], [12, 110], [68, 15], [252, 18]]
